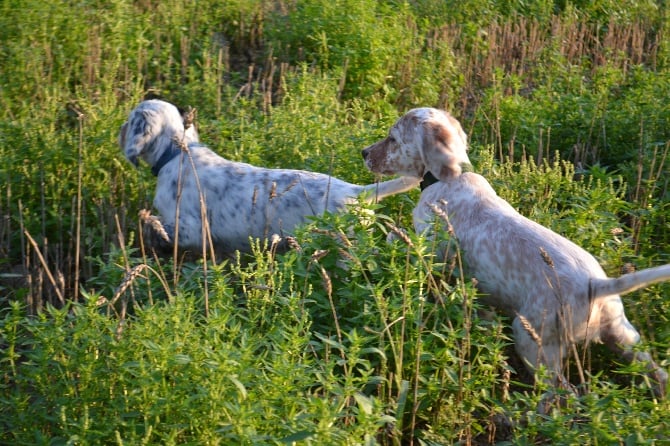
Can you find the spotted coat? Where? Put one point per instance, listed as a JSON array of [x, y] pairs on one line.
[[240, 201], [556, 292]]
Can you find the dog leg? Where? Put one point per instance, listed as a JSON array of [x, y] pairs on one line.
[[536, 348], [619, 335]]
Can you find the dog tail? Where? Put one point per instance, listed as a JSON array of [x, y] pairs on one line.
[[372, 193], [630, 282]]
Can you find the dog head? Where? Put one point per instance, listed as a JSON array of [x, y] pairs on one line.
[[423, 140], [150, 131]]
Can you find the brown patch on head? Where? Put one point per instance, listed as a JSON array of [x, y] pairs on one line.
[[438, 141], [376, 156], [421, 140], [458, 132], [441, 133]]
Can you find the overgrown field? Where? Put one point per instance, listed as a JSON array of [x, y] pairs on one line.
[[347, 338]]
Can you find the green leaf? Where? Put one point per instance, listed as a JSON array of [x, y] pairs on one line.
[[239, 385], [297, 436], [364, 402]]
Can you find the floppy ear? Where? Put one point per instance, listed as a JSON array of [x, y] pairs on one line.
[[123, 137], [444, 149], [137, 134]]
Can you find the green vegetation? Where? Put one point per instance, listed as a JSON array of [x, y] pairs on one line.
[[346, 339]]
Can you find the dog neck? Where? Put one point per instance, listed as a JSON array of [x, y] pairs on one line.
[[430, 179], [165, 158]]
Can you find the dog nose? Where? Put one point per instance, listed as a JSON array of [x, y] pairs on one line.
[[364, 152]]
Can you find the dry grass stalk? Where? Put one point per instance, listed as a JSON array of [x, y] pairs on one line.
[[275, 240], [206, 232], [442, 215], [293, 243], [530, 330], [506, 379], [122, 319], [189, 117], [402, 235], [155, 223], [546, 257], [128, 279], [319, 254], [347, 255], [334, 235], [181, 143], [328, 285], [46, 267], [616, 231], [519, 46], [275, 244]]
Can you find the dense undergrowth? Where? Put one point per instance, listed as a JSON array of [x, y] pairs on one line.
[[345, 339]]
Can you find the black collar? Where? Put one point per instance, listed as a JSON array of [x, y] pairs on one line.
[[165, 158], [429, 178]]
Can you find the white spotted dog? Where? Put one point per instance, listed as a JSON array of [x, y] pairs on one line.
[[541, 279], [240, 201]]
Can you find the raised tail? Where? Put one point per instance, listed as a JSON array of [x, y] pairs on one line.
[[372, 193], [630, 282]]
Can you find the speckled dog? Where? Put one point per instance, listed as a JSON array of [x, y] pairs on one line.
[[556, 293], [240, 201]]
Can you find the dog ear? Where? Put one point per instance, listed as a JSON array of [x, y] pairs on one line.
[[444, 148], [123, 136], [137, 134]]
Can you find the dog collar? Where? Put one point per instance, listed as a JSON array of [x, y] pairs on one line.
[[429, 178], [165, 158]]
